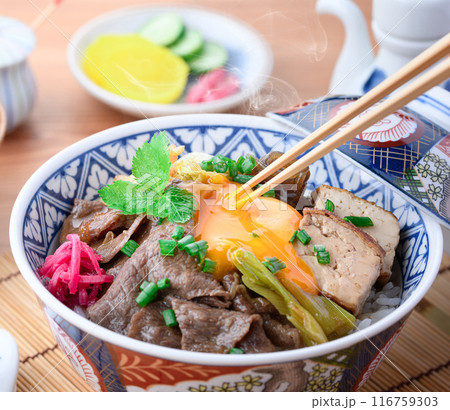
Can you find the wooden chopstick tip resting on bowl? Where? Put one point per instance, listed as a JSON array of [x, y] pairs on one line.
[[396, 100]]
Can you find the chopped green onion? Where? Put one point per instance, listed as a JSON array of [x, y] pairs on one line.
[[130, 247], [232, 169], [167, 247], [270, 193], [303, 237], [143, 285], [220, 165], [169, 317], [359, 221], [208, 266], [196, 247], [201, 255], [207, 165], [182, 243], [293, 237], [248, 164], [273, 259], [274, 264], [236, 350], [329, 205], [147, 295], [319, 248], [323, 257], [163, 283], [239, 162], [178, 233], [143, 299], [255, 235], [151, 288], [242, 179], [223, 158]]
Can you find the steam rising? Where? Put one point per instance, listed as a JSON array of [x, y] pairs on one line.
[[301, 34], [302, 31], [273, 96]]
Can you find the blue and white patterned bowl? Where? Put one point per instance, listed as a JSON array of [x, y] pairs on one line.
[[109, 361]]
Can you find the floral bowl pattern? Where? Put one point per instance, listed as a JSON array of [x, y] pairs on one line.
[[111, 362]]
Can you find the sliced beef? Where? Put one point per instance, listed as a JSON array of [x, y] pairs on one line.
[[283, 334], [116, 307], [215, 330], [91, 220], [112, 244], [256, 340], [148, 324], [82, 210], [385, 229], [114, 266], [355, 258], [241, 300], [213, 301]]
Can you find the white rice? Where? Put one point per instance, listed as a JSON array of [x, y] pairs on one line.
[[378, 305]]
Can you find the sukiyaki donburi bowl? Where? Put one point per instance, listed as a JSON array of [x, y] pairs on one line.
[[111, 359]]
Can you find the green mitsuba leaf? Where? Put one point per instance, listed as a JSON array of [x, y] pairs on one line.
[[151, 170], [151, 165], [128, 197], [177, 205]]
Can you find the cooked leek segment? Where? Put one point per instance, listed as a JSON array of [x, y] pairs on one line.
[[260, 280], [334, 320]]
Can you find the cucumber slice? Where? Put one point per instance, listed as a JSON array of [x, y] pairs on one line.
[[163, 29], [189, 45], [212, 56]]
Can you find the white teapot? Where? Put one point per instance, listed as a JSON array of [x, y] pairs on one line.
[[402, 29]]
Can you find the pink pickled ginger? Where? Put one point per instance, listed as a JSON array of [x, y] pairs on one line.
[[74, 273]]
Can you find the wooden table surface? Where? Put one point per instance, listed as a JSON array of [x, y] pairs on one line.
[[305, 49]]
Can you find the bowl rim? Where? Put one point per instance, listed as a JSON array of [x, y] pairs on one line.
[[211, 359], [134, 107]]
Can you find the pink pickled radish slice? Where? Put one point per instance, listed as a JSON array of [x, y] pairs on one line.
[[212, 86], [74, 270]]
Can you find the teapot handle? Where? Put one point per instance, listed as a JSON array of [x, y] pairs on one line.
[[356, 60]]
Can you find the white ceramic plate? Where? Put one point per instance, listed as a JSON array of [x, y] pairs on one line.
[[250, 57]]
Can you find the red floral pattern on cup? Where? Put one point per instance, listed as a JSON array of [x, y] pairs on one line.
[[398, 128], [138, 370], [375, 362], [79, 360]]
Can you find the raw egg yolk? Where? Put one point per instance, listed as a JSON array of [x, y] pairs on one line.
[[263, 228]]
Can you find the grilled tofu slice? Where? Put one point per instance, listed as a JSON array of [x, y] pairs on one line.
[[355, 258], [385, 229]]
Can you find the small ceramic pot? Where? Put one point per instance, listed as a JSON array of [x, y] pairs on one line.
[[17, 84]]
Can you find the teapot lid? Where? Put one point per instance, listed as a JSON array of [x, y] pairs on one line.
[[17, 40]]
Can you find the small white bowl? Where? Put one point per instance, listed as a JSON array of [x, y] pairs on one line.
[[250, 57]]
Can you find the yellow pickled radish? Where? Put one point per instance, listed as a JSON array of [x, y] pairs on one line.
[[133, 67]]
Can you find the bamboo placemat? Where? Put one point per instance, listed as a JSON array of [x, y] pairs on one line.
[[421, 351]]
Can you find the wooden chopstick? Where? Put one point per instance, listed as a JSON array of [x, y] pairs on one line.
[[424, 60], [409, 92]]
